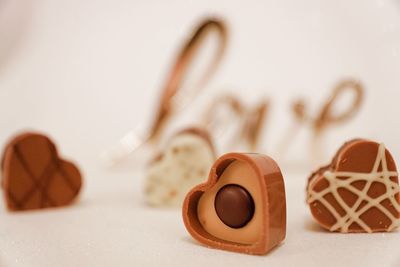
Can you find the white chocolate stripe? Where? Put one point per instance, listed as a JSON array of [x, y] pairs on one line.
[[352, 215]]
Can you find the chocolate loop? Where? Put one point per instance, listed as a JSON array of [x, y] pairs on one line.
[[172, 92], [173, 98], [326, 116]]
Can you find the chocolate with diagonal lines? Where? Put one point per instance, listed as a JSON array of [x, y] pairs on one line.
[[35, 177]]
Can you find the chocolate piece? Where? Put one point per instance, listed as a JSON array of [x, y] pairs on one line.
[[172, 89], [34, 176], [234, 205], [256, 221], [184, 163], [358, 191]]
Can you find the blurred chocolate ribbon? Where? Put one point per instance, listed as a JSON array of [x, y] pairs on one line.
[[174, 98], [227, 114], [325, 118]]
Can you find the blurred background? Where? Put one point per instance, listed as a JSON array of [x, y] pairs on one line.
[[88, 72]]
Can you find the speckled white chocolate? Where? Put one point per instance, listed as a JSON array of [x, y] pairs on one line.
[[185, 163]]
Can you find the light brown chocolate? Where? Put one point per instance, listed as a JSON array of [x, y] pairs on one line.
[[256, 184], [358, 191], [35, 177], [167, 107]]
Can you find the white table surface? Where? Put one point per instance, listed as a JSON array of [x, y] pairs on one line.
[[110, 226], [86, 72]]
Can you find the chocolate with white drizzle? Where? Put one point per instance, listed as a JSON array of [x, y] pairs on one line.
[[358, 191]]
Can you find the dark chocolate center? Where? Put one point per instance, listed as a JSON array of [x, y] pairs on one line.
[[234, 205]]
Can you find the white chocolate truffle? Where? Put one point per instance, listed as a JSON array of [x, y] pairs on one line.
[[184, 163]]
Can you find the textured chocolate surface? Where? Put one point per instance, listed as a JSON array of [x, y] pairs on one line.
[[358, 191], [234, 205], [34, 176], [261, 177]]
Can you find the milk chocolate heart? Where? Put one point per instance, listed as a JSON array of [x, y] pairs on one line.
[[34, 176], [184, 163], [358, 191], [241, 207]]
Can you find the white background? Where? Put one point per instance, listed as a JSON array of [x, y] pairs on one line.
[[86, 72]]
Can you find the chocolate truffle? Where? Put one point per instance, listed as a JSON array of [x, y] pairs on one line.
[[234, 205], [241, 207], [35, 177], [184, 163], [358, 192]]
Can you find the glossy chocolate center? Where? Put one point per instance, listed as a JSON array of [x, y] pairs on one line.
[[234, 205]]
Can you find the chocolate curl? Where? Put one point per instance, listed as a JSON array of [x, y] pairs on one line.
[[326, 116], [171, 95], [250, 122], [173, 98]]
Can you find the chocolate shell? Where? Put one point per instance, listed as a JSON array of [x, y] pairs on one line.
[[241, 207], [35, 177], [358, 192]]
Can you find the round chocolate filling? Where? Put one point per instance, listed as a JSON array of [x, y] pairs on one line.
[[234, 205]]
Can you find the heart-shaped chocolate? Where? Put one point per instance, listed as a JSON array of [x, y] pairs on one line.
[[183, 163], [35, 177], [358, 191], [241, 207]]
